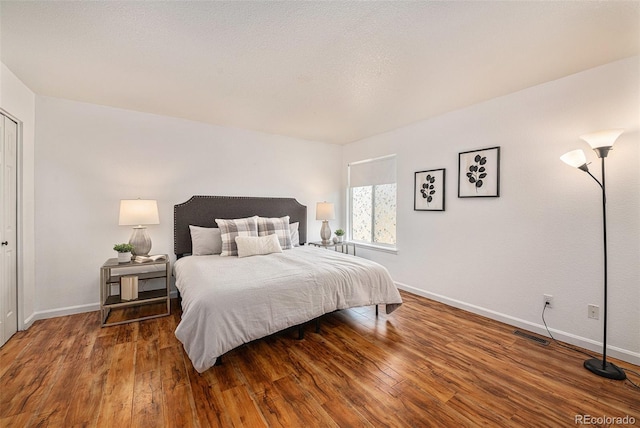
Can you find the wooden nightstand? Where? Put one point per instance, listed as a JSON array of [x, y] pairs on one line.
[[343, 246], [114, 310]]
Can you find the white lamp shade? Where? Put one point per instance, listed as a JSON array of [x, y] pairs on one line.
[[325, 211], [138, 212], [574, 158], [602, 138]]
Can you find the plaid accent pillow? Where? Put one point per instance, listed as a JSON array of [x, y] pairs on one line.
[[229, 229], [276, 226]]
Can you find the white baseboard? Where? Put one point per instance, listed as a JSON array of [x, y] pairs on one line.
[[619, 353], [69, 310], [592, 345], [60, 312], [28, 321]]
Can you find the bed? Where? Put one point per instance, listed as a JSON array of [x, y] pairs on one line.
[[231, 300]]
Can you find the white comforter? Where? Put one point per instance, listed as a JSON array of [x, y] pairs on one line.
[[228, 301]]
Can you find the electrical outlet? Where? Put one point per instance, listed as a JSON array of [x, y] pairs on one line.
[[593, 311], [548, 300]]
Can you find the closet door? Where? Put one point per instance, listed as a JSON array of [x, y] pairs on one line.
[[8, 229]]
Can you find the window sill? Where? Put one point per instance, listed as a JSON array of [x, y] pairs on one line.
[[374, 247]]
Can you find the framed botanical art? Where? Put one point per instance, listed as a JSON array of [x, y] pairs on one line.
[[479, 173], [428, 190]]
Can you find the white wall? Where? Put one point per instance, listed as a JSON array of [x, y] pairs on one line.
[[88, 157], [493, 256], [498, 256], [19, 102]]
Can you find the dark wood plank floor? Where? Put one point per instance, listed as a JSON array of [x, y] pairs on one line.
[[424, 365]]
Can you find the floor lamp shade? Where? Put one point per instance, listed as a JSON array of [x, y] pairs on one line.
[[139, 213], [325, 211], [602, 138], [574, 158]]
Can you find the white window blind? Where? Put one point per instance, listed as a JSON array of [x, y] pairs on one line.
[[372, 172]]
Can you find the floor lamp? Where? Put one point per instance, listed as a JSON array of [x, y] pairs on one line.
[[601, 142]]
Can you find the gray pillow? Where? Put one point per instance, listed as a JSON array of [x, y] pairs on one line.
[[205, 240]]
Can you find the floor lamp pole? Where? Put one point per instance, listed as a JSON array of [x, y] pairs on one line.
[[602, 368]]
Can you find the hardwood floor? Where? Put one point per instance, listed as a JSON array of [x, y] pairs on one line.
[[426, 364]]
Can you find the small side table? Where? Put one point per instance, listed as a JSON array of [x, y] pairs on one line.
[[110, 274], [343, 246]]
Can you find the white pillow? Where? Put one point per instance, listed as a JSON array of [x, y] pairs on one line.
[[205, 240], [236, 227], [295, 235], [257, 245]]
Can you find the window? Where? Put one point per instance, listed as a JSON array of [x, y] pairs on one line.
[[372, 201]]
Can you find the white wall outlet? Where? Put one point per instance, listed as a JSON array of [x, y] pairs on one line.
[[548, 300], [593, 311]]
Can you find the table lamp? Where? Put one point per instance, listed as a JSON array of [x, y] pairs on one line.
[[139, 213], [325, 212]]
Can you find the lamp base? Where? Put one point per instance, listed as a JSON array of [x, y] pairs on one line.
[[325, 233], [141, 241], [610, 371]]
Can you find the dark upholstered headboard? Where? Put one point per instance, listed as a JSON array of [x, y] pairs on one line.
[[204, 210]]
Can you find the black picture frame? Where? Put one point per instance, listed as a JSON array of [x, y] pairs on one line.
[[429, 190], [479, 173]]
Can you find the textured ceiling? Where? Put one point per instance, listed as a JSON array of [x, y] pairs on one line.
[[325, 71]]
